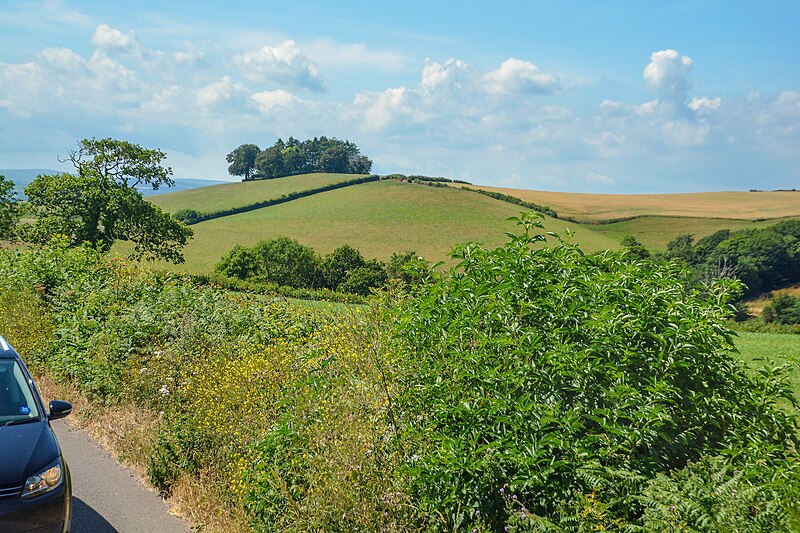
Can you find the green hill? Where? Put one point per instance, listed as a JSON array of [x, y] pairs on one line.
[[377, 218], [654, 232], [232, 195]]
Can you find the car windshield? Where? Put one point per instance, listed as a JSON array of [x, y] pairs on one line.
[[16, 397]]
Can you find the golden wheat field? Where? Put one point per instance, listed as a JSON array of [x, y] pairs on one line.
[[600, 207]]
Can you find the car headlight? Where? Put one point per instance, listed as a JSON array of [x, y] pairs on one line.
[[44, 481]]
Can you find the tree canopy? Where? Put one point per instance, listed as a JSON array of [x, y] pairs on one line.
[[9, 213], [763, 258], [320, 154], [243, 160], [100, 204]]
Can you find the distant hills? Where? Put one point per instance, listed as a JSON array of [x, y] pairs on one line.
[[23, 176]]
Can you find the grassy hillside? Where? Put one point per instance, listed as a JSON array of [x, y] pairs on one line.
[[654, 232], [599, 207], [231, 195], [377, 218], [761, 350]]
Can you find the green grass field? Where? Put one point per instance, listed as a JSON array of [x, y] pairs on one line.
[[767, 349], [654, 232], [376, 218], [231, 195]]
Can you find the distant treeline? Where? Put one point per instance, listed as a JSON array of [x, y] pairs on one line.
[[320, 154], [191, 216], [765, 259], [415, 178]]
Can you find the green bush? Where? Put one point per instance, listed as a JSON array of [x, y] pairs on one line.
[[569, 380], [783, 309]]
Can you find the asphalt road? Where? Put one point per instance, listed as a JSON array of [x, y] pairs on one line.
[[107, 497]]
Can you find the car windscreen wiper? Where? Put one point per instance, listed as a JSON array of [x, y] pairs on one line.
[[20, 421]]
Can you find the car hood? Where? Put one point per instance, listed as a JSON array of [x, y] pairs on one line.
[[25, 449]]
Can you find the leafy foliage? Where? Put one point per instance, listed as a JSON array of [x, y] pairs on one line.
[[763, 258], [783, 309], [286, 262], [100, 204], [529, 368], [321, 154], [529, 389], [9, 211]]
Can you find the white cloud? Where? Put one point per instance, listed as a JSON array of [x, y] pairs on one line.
[[668, 74], [452, 75], [705, 105], [267, 100], [284, 64], [379, 111], [331, 54], [517, 76], [113, 39], [221, 92]]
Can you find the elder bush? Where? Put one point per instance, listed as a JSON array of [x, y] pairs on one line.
[[569, 380]]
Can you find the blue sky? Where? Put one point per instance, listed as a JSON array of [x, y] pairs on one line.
[[571, 96]]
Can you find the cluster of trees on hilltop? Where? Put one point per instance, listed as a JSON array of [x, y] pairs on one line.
[[320, 154]]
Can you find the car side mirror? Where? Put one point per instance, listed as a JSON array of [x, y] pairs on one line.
[[59, 409]]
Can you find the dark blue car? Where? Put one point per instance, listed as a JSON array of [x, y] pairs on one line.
[[35, 489]]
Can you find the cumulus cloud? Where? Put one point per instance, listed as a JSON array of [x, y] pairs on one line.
[[452, 75], [284, 64], [221, 92], [125, 44], [267, 100], [704, 104], [517, 76], [668, 74]]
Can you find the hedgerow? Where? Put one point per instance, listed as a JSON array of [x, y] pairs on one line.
[[531, 388]]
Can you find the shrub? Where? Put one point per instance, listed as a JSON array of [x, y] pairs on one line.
[[569, 380], [783, 309]]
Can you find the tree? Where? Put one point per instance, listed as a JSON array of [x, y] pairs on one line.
[[635, 248], [334, 159], [269, 163], [101, 205], [9, 209], [286, 262], [339, 263], [243, 160]]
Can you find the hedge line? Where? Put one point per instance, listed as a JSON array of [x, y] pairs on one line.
[[514, 200], [189, 217]]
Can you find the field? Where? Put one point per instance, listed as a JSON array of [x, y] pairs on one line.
[[230, 195], [765, 349], [376, 218], [654, 232], [601, 207]]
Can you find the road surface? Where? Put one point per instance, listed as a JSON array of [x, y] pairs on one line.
[[107, 497]]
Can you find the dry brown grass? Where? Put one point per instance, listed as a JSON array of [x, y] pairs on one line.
[[128, 433], [598, 207], [756, 306]]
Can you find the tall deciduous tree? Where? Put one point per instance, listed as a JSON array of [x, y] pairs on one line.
[[243, 161], [101, 205], [9, 212]]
